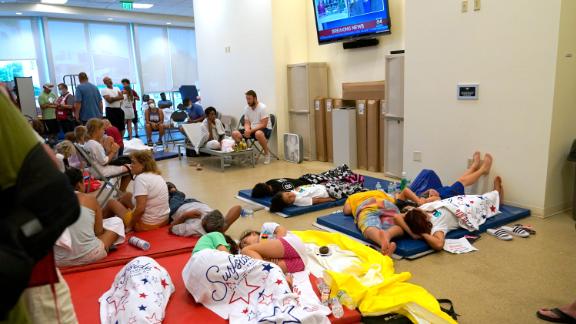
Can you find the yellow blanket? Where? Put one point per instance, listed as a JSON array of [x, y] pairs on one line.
[[374, 286]]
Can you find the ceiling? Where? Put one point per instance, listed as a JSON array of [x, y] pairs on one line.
[[164, 7]]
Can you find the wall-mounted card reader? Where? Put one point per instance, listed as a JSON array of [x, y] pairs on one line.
[[467, 91]]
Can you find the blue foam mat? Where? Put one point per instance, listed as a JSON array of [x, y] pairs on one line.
[[407, 247], [162, 155], [369, 182]]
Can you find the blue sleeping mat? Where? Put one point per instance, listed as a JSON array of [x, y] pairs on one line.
[[162, 155], [409, 248], [246, 195]]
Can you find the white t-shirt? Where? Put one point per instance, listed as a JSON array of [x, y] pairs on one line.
[[256, 115], [114, 92], [443, 221], [198, 206], [157, 207], [304, 194]]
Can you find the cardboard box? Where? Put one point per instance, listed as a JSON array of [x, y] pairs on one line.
[[375, 90], [361, 134], [382, 135], [372, 137], [320, 129]]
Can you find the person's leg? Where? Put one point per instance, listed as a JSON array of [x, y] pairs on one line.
[[261, 138], [265, 249], [129, 127], [475, 164], [135, 122], [470, 179], [383, 237], [124, 181], [149, 132], [499, 187], [108, 238], [114, 208], [232, 215], [237, 136], [569, 310], [161, 132], [126, 200]]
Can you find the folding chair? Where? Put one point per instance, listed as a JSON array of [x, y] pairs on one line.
[[95, 171], [254, 143], [176, 119]]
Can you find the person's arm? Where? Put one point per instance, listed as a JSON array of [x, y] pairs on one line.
[[399, 220], [101, 105], [92, 203], [77, 104], [222, 248], [139, 209], [161, 117], [187, 215], [263, 124], [247, 130], [280, 231], [347, 208], [147, 116], [199, 119], [408, 194], [135, 95], [68, 104], [436, 241], [316, 201]]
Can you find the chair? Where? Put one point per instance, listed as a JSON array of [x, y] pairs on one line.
[[253, 143], [176, 119], [115, 186]]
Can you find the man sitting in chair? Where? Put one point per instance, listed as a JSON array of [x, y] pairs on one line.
[[257, 125]]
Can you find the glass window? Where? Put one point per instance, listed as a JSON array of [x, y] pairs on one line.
[[16, 39], [183, 57], [111, 51], [154, 51], [20, 68], [69, 49]]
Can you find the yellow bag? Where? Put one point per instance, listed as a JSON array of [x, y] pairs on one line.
[[374, 286]]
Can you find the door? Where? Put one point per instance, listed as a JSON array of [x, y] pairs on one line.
[[394, 118]]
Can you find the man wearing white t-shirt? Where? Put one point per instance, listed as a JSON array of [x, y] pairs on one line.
[[256, 124], [113, 99]]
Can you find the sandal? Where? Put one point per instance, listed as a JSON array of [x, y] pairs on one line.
[[527, 228], [562, 317], [500, 234], [516, 230]]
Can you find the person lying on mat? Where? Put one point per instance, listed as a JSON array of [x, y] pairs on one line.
[[216, 241], [89, 241], [313, 194], [149, 201], [94, 146], [277, 245], [274, 186], [374, 213], [193, 218], [431, 222]]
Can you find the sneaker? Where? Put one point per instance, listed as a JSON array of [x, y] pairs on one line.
[[159, 143], [267, 159], [150, 143]]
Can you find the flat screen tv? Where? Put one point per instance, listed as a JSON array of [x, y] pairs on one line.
[[338, 20]]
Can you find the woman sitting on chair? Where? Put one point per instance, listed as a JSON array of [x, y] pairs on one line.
[[154, 122], [212, 130]]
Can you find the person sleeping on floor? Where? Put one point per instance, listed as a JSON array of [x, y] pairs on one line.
[[314, 194], [274, 186], [191, 217]]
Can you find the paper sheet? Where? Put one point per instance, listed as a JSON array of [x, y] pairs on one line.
[[458, 246]]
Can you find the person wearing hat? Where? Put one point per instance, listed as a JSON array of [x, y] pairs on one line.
[[47, 101]]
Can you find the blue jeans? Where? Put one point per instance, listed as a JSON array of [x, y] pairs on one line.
[[177, 199]]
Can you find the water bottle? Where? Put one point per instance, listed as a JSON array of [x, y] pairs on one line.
[[391, 187], [337, 309], [324, 291], [139, 243], [404, 182], [247, 213], [346, 300], [378, 186]]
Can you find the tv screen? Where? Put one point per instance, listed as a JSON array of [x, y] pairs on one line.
[[338, 20]]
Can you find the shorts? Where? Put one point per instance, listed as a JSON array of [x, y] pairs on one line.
[[292, 258], [267, 133], [140, 226], [128, 113], [456, 189], [368, 218]]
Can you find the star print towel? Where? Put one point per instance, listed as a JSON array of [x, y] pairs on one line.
[[244, 290], [471, 210], [139, 294]]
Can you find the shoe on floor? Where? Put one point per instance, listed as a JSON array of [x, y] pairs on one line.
[[516, 231], [159, 143], [267, 159], [500, 234], [150, 143], [561, 317]]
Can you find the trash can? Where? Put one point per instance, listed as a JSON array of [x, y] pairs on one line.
[[572, 158]]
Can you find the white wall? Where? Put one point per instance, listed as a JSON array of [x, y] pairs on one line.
[[245, 27], [355, 65], [509, 47], [560, 182]]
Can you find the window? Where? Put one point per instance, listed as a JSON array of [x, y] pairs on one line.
[[69, 48], [111, 51], [154, 51], [183, 57]]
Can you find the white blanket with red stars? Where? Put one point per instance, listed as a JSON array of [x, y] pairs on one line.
[[245, 290], [139, 294]]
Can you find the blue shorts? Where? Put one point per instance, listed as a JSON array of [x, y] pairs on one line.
[[456, 189], [375, 220], [267, 132]]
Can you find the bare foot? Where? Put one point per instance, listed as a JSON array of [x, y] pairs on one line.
[[475, 161], [567, 309], [487, 163], [386, 247], [498, 187]]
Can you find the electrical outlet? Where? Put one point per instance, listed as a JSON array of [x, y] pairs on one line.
[[417, 156], [465, 6], [227, 49], [477, 5]]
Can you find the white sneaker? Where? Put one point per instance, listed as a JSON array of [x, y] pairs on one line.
[[267, 159]]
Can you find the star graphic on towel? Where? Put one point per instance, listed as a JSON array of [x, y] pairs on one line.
[[260, 294], [245, 311], [119, 304], [286, 311], [252, 315], [279, 282], [142, 307], [267, 267], [243, 287], [153, 319], [143, 295], [493, 209], [265, 299], [163, 283], [145, 280]]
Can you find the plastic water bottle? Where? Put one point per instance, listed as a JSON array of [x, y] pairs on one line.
[[391, 187], [247, 213], [139, 243], [404, 182], [324, 291], [378, 186], [337, 309], [346, 300]]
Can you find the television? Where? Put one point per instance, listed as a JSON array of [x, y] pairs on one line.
[[341, 20]]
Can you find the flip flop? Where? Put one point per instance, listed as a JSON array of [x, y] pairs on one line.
[[500, 234], [527, 228], [562, 317], [516, 231]]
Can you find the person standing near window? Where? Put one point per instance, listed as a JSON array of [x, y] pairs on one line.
[[126, 83], [114, 98], [47, 101], [88, 100], [128, 108], [65, 109]]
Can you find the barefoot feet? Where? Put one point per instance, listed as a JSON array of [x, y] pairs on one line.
[[499, 187], [487, 164], [386, 246], [475, 161]]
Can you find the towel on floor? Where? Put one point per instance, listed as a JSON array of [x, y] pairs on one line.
[[139, 294], [245, 290]]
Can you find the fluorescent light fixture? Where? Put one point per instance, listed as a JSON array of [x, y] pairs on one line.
[[110, 18], [19, 13], [168, 23], [54, 1], [142, 5]]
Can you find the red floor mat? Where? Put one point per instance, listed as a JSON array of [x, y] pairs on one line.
[[162, 244], [88, 286]]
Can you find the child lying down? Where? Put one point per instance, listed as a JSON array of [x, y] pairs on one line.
[[246, 290], [313, 194]]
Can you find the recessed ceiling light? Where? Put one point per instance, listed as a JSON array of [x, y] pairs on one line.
[[142, 5], [19, 13], [168, 23], [54, 1]]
